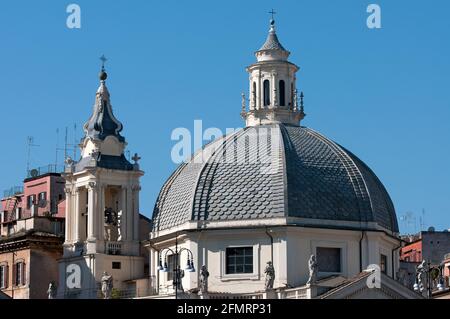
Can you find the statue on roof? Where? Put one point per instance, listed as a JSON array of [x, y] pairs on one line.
[[52, 290], [270, 275], [204, 274], [313, 268], [107, 285]]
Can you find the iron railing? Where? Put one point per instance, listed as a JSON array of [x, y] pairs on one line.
[[51, 168], [113, 248], [15, 190]]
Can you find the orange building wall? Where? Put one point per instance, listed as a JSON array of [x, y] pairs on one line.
[[8, 259], [412, 252]]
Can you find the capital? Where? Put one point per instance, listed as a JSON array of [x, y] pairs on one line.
[[92, 185]]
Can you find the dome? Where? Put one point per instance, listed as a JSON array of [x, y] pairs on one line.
[[275, 172]]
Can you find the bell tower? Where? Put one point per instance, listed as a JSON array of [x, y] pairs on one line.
[[273, 94], [102, 207]]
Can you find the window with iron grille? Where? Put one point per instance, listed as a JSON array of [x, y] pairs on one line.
[[116, 265]]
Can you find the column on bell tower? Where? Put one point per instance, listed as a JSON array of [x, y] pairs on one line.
[[92, 207], [129, 216], [123, 214], [100, 216], [136, 189], [69, 222], [77, 216]]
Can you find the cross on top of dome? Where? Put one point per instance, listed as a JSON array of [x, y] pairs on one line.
[[103, 75], [272, 42]]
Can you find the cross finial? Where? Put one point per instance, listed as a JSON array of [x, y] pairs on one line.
[[136, 158], [103, 59], [272, 12]]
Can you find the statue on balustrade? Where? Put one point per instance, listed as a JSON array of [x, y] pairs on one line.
[[107, 285], [204, 274], [52, 290], [313, 268], [270, 276]]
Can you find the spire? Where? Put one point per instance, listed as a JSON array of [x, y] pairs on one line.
[[103, 123], [272, 49], [272, 42]]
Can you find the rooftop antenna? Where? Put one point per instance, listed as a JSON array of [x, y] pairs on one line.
[[408, 219], [422, 220], [74, 141], [30, 144], [57, 147], [67, 145]]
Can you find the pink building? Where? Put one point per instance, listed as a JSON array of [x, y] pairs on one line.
[[31, 235], [40, 196]]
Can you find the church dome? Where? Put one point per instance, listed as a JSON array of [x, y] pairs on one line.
[[274, 171]]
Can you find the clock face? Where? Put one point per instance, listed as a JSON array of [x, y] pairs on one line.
[[73, 272]]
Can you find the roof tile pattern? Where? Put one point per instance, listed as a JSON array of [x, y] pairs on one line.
[[272, 43], [274, 171]]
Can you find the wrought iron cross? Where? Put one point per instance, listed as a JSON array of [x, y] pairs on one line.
[[103, 59], [272, 13]]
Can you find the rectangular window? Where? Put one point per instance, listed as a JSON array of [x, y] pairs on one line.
[[171, 264], [383, 264], [42, 196], [116, 265], [329, 259], [19, 274], [3, 277], [31, 200], [239, 260]]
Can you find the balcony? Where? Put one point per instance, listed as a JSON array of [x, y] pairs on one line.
[[113, 248]]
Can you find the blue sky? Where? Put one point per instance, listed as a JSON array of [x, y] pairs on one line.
[[383, 93]]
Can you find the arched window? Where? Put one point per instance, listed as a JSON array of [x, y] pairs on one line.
[[282, 93], [266, 92], [254, 94]]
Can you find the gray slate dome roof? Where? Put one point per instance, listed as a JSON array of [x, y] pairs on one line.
[[272, 43], [307, 176]]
